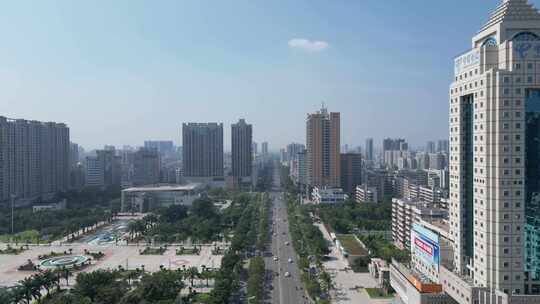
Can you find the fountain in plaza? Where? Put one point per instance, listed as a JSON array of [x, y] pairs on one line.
[[63, 261]]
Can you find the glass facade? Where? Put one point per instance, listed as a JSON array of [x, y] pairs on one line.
[[532, 184], [468, 181]]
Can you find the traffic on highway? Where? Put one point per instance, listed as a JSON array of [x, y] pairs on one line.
[[283, 284]]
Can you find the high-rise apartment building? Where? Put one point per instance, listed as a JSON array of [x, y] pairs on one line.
[[255, 148], [494, 151], [76, 169], [323, 148], [202, 148], [351, 172], [34, 159], [264, 149], [104, 169], [443, 145], [146, 167], [241, 144], [298, 168], [369, 149], [430, 147], [164, 147], [392, 150], [292, 151]]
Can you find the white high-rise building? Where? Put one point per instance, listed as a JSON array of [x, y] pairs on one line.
[[494, 98]]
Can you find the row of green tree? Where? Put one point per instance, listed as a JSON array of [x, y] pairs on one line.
[[351, 216], [31, 288], [256, 272], [380, 247], [243, 244], [109, 287], [310, 246], [200, 222], [255, 279], [84, 209]]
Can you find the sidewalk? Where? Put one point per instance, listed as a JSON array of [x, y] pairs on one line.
[[349, 286]]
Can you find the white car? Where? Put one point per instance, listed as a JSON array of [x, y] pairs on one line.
[[290, 260], [287, 274], [276, 258], [287, 243]]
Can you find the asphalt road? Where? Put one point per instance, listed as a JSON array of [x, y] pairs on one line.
[[279, 288]]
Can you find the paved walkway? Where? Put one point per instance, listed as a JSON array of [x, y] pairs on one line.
[[349, 286], [127, 256]]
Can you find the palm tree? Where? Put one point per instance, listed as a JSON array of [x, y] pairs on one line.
[[27, 286], [65, 274], [37, 284], [192, 273], [57, 274], [206, 274], [48, 280], [18, 294]]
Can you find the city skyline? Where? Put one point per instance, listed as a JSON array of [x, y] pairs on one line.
[[197, 77], [408, 169]]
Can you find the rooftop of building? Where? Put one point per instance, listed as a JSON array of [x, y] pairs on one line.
[[164, 188], [512, 10]]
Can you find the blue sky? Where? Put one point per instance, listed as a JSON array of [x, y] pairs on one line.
[[119, 72]]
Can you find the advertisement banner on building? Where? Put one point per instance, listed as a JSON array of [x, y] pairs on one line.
[[425, 246]]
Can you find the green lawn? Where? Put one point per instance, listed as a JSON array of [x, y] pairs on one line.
[[350, 243], [378, 293]]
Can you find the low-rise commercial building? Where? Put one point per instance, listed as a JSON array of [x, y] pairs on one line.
[[142, 199], [413, 287], [328, 195]]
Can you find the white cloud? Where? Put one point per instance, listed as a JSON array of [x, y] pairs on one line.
[[308, 45]]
